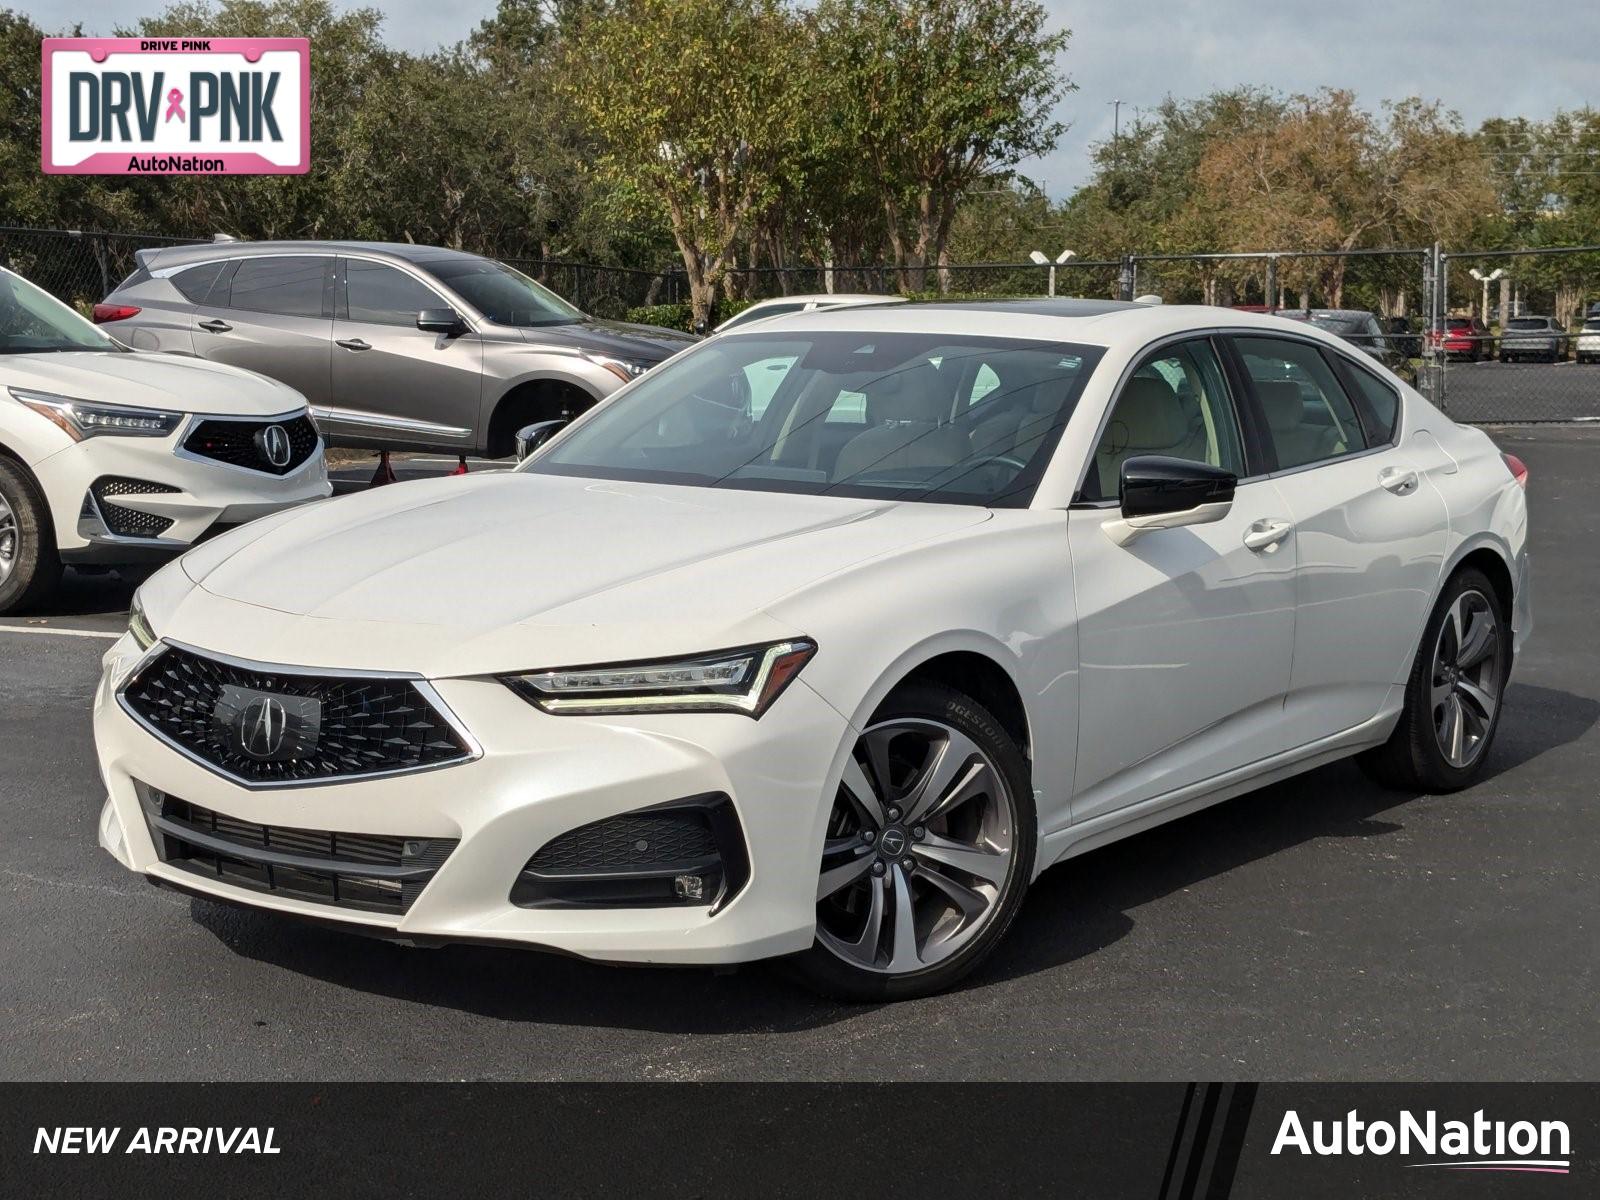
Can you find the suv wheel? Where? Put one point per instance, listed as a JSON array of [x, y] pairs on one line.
[[29, 566], [928, 852]]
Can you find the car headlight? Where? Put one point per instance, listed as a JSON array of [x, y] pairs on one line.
[[139, 625], [624, 369], [81, 419], [746, 680]]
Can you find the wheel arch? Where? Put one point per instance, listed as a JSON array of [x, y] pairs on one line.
[[529, 399], [969, 663]]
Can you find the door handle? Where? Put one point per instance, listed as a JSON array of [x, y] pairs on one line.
[[1267, 533], [216, 326], [353, 344], [1402, 481]]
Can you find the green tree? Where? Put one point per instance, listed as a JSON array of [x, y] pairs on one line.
[[699, 111], [935, 97]]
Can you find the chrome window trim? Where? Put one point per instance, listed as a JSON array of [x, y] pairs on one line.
[[423, 686]]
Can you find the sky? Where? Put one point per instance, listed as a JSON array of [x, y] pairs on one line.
[[1480, 57]]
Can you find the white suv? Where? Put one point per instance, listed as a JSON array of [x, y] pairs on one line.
[[112, 457]]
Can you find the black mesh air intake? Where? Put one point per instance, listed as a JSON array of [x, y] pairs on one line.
[[371, 872], [130, 522], [688, 852]]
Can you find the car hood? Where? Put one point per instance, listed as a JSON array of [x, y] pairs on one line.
[[146, 380], [468, 576], [641, 343]]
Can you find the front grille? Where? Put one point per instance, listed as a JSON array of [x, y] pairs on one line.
[[130, 522], [372, 872], [266, 726], [244, 443]]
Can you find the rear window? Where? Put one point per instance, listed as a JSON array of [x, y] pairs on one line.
[[1382, 401], [196, 282], [1528, 323], [1459, 323]]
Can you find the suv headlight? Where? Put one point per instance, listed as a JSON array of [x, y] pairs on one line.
[[139, 625], [745, 681], [624, 369], [81, 419]]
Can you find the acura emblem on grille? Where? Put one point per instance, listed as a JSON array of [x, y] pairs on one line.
[[261, 727], [267, 726], [273, 442]]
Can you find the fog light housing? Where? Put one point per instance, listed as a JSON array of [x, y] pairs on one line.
[[688, 887]]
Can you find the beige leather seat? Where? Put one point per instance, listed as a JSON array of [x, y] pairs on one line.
[[1297, 441], [1149, 419], [906, 433]]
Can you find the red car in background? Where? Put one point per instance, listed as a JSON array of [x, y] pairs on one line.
[[1462, 337]]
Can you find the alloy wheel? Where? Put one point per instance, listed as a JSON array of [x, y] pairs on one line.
[[919, 848], [1466, 678], [8, 540]]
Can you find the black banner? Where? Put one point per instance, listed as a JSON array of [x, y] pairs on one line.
[[1164, 1141]]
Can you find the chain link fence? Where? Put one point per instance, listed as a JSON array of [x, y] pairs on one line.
[[1517, 335], [78, 268]]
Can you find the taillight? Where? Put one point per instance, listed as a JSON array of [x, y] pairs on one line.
[[1518, 469], [113, 312]]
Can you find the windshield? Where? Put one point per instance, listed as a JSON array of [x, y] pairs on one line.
[[34, 322], [504, 295], [909, 416]]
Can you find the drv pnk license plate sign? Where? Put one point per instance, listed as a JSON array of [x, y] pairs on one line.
[[176, 106]]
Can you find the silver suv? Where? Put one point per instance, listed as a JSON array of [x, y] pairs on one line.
[[395, 346]]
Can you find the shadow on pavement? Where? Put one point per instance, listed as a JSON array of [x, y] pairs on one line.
[[1072, 912]]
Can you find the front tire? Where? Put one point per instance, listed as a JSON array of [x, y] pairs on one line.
[[30, 568], [1453, 697], [929, 849]]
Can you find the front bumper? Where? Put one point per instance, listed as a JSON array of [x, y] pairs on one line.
[[207, 496], [538, 776]]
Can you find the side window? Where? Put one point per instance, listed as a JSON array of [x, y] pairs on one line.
[[772, 310], [385, 296], [195, 282], [983, 382], [1176, 404], [286, 285], [1382, 401], [1309, 417]]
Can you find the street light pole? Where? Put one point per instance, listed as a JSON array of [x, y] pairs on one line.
[[1038, 257], [1486, 280]]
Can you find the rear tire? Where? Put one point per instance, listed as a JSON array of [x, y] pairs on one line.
[[30, 568], [894, 922], [1454, 694]]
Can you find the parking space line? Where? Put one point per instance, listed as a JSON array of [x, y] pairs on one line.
[[54, 632]]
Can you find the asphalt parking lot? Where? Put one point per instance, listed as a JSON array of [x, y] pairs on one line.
[[1317, 929], [1497, 391]]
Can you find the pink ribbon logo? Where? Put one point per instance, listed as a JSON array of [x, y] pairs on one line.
[[175, 105]]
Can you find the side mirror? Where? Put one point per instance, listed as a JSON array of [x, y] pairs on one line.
[[441, 320], [531, 437], [1167, 493]]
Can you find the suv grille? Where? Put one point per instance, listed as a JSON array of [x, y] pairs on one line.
[[265, 727], [373, 872], [246, 444]]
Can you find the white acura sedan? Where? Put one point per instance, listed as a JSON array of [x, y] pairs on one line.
[[824, 639]]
